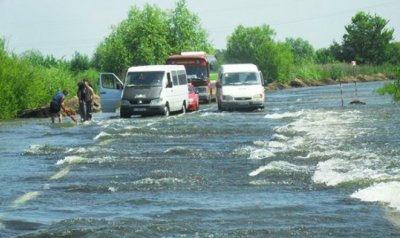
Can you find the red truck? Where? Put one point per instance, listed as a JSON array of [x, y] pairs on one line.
[[198, 66]]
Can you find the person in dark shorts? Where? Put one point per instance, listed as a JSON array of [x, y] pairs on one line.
[[56, 104], [89, 98], [81, 94]]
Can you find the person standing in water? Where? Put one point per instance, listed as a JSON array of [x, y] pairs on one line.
[[56, 104], [81, 94], [89, 98]]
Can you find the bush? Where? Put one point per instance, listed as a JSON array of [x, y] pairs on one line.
[[26, 83]]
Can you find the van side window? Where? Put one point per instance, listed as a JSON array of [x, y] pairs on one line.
[[174, 77], [108, 81], [182, 77]]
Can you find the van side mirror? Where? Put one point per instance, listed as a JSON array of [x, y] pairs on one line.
[[169, 81], [169, 84], [262, 78]]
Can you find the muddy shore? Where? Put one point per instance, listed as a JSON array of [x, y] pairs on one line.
[[298, 83]]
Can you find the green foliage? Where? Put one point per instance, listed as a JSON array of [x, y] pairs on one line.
[[79, 62], [335, 72], [149, 36], [30, 81], [185, 31], [305, 72], [392, 89], [366, 40], [256, 45], [302, 50], [36, 58], [393, 53], [245, 42]]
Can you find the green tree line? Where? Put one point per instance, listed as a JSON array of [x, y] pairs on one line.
[[149, 35]]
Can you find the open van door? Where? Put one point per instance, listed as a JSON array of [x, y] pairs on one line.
[[110, 92]]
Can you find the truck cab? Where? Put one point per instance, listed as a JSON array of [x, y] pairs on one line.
[[198, 66]]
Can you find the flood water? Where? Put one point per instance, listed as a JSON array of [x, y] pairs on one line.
[[303, 167]]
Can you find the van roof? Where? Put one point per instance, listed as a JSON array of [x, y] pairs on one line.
[[156, 68], [239, 68]]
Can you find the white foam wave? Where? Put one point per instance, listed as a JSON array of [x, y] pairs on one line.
[[104, 135], [257, 154], [176, 149], [20, 201], [101, 135], [279, 137], [60, 174], [281, 166], [284, 115], [35, 149], [382, 192], [82, 160], [264, 182], [338, 171], [282, 146], [161, 181]]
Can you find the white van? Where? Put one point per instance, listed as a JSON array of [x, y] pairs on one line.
[[240, 86], [148, 90]]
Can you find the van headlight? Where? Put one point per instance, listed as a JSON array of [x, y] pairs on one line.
[[258, 97], [156, 101], [125, 102], [227, 97]]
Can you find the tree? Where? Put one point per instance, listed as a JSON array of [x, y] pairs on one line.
[[139, 40], [256, 45], [186, 32], [393, 53], [148, 36], [366, 40], [302, 50], [79, 62]]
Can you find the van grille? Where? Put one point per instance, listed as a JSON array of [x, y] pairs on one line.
[[242, 98], [140, 101]]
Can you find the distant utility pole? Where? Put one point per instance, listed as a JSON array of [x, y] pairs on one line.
[[341, 92], [354, 64]]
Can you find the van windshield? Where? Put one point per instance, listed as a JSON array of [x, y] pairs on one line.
[[240, 78], [152, 79], [196, 71]]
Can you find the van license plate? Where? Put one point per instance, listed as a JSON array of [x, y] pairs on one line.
[[139, 109]]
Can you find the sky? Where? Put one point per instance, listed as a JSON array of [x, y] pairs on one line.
[[63, 27]]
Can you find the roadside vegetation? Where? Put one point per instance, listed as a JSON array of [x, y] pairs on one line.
[[30, 80], [151, 34]]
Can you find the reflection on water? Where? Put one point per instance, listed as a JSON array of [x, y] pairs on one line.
[[239, 174]]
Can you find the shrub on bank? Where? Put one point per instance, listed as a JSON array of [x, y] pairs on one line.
[[25, 85], [338, 71]]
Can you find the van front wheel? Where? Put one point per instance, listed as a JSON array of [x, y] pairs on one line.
[[183, 108], [166, 111]]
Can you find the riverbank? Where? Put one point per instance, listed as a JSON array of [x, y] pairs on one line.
[[71, 104], [299, 83]]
